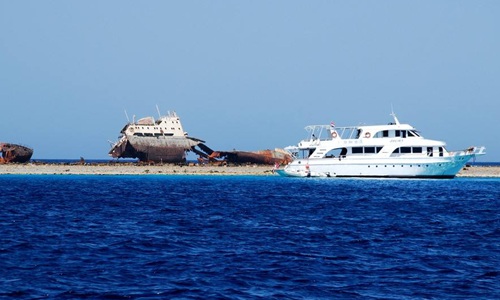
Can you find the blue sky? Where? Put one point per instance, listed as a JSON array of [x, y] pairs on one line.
[[246, 75]]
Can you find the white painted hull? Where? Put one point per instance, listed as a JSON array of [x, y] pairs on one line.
[[443, 167]]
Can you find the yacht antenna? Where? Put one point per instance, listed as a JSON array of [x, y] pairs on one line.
[[126, 115], [158, 110], [394, 116]]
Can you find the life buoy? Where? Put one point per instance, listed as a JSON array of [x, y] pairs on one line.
[[367, 135], [334, 134]]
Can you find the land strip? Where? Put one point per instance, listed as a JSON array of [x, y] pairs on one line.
[[170, 169], [134, 169]]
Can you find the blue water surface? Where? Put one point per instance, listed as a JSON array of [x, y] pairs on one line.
[[248, 237]]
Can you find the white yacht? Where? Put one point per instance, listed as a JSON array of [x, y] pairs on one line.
[[392, 150]]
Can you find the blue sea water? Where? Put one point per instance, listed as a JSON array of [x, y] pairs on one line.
[[248, 237]]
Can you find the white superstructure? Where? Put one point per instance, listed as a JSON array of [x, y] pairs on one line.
[[392, 150]]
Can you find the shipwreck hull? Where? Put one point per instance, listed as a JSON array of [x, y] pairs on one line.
[[12, 153], [154, 149], [264, 157]]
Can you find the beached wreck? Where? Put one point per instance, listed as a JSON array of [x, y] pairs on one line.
[[163, 140], [13, 153], [264, 157]]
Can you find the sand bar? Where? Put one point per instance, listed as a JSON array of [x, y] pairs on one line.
[[133, 169], [480, 171], [170, 169]]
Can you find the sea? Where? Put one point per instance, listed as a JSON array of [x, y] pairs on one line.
[[248, 237]]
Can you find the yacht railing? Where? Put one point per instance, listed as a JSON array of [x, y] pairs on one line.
[[324, 132], [472, 150]]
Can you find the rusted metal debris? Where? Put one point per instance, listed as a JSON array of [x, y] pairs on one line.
[[13, 153], [264, 157]]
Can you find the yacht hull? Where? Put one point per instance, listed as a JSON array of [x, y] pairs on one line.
[[386, 168]]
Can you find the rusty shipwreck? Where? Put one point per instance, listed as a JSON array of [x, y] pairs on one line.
[[263, 157], [163, 140], [13, 153]]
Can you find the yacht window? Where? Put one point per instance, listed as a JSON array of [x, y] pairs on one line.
[[398, 133], [441, 150], [429, 151], [405, 149], [385, 133], [343, 153], [396, 151], [417, 149], [413, 133], [369, 149], [334, 153], [379, 148], [357, 150], [403, 133]]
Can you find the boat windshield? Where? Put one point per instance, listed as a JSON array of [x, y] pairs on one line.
[[325, 132]]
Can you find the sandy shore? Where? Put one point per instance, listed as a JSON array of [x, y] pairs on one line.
[[479, 172], [133, 169], [136, 169]]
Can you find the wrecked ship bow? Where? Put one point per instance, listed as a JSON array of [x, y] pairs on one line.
[[13, 153]]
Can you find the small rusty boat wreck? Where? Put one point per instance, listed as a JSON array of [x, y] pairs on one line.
[[13, 153]]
